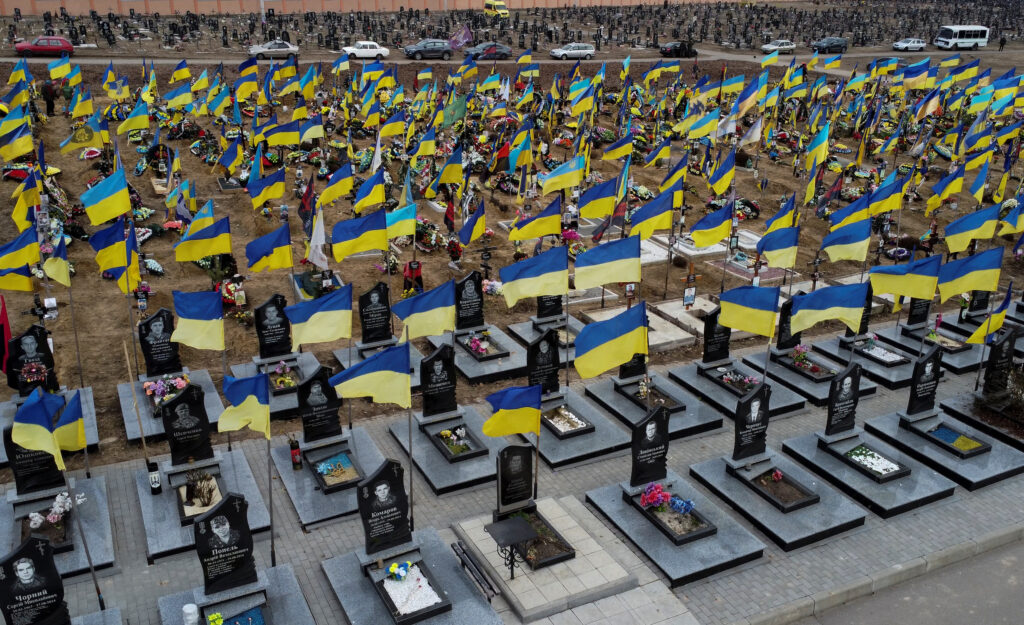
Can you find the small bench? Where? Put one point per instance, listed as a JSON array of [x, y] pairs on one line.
[[470, 564]]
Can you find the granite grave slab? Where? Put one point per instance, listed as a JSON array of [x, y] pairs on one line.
[[894, 374], [957, 356], [600, 436], [815, 390], [285, 602], [110, 616], [694, 418], [692, 321], [970, 407], [482, 371], [283, 404], [528, 331], [152, 425], [783, 403]]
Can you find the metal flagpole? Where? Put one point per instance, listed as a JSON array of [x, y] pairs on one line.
[[981, 352], [85, 543], [412, 522], [349, 402], [567, 337], [270, 506], [224, 367], [135, 400], [81, 375]]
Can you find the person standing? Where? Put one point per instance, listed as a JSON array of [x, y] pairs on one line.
[[49, 95], [1002, 42]]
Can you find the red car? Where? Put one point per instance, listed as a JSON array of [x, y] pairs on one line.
[[45, 46]]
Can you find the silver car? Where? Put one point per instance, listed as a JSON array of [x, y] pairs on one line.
[[574, 51], [275, 49]]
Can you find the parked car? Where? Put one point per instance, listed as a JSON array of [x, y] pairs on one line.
[[909, 44], [830, 45], [275, 49], [782, 46], [574, 51], [367, 50], [429, 49], [678, 49], [488, 50], [45, 46]]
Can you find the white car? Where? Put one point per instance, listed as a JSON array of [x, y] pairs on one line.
[[574, 51], [909, 44], [782, 46], [275, 49], [367, 50]]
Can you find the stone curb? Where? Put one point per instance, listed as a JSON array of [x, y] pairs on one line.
[[883, 578]]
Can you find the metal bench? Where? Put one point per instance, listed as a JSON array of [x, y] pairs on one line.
[[470, 565]]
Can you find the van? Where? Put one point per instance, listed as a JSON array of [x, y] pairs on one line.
[[961, 37], [494, 8]]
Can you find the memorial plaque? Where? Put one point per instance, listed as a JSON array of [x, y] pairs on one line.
[[469, 302], [515, 477], [787, 340], [650, 448], [375, 315], [160, 353], [549, 306], [917, 314], [187, 426], [224, 545], [542, 361], [865, 317], [925, 381], [384, 508], [318, 406], [1000, 363], [437, 381], [33, 470], [979, 302], [751, 423], [635, 367], [273, 330], [31, 590], [716, 338], [30, 362], [843, 397]]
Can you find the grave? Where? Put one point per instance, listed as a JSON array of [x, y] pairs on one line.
[[913, 335], [620, 396], [686, 536], [313, 284], [784, 501], [796, 367], [692, 320], [951, 447], [37, 484], [483, 353], [30, 363], [967, 320], [141, 407], [232, 587], [448, 444], [550, 316], [92, 437], [719, 380], [662, 335], [863, 466]]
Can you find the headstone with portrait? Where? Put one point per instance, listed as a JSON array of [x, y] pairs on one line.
[[635, 367], [469, 302], [650, 448], [542, 362], [31, 590], [33, 470], [925, 382], [384, 507], [751, 432], [917, 313], [224, 545], [549, 307], [30, 362], [865, 319], [978, 304], [843, 397], [515, 479], [716, 338], [187, 426], [999, 364], [273, 330], [375, 315], [160, 354], [437, 382], [787, 340], [318, 406]]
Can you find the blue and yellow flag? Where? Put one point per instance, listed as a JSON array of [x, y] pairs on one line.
[[360, 234], [266, 188], [614, 261], [721, 179], [515, 410], [474, 227], [214, 239], [844, 302], [655, 215], [993, 323], [780, 247], [401, 221], [383, 377], [713, 227], [977, 225], [321, 320], [338, 185], [568, 174], [787, 217], [57, 266], [23, 250], [370, 192], [108, 199], [974, 273], [849, 242], [544, 223], [855, 212], [620, 149], [545, 274], [270, 251], [250, 404], [599, 201], [430, 313], [603, 345], [33, 424], [917, 279], [750, 309], [180, 72], [69, 432], [16, 279], [663, 151], [200, 320]]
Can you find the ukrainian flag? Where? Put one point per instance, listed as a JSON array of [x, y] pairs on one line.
[[974, 273], [360, 234], [16, 279], [214, 239], [770, 59], [750, 309], [950, 61], [270, 251], [57, 266], [203, 82], [60, 67], [23, 250], [250, 404], [340, 184], [713, 227], [887, 197], [568, 174], [676, 176], [516, 410], [312, 129], [107, 199], [451, 173], [109, 245], [428, 314], [655, 215], [946, 188], [545, 274], [780, 247], [200, 320], [283, 135], [395, 125], [401, 221], [424, 75], [474, 227], [180, 72], [1013, 223], [603, 345], [917, 279], [262, 190], [978, 186], [33, 422], [817, 151], [620, 149], [704, 126], [383, 377], [548, 221], [179, 98], [426, 146], [844, 302], [69, 432], [787, 217], [849, 242], [203, 218], [598, 201], [722, 178], [977, 225], [993, 323], [321, 320], [16, 143], [660, 152], [232, 157], [614, 261], [371, 192]]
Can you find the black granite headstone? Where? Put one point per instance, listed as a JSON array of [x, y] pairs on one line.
[[187, 426], [469, 302], [650, 448], [30, 362], [515, 477], [31, 590], [318, 406], [1000, 363], [224, 545], [751, 423], [925, 381], [155, 339], [273, 330], [437, 381], [549, 306], [635, 367], [542, 361], [979, 302], [917, 313], [787, 340], [375, 314], [716, 337], [384, 507], [865, 317], [843, 397], [33, 470]]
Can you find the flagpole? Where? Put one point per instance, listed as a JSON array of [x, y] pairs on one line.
[[981, 352], [412, 521], [349, 402], [81, 375], [224, 367], [135, 400], [85, 543], [270, 499]]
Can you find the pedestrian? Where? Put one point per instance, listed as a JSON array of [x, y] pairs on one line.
[[68, 92], [1002, 43], [49, 95]]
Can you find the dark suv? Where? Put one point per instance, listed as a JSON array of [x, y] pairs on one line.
[[429, 49], [830, 45], [678, 49]]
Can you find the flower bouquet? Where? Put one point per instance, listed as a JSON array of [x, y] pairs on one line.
[[656, 497], [282, 376], [455, 440], [166, 388], [53, 523], [399, 572]]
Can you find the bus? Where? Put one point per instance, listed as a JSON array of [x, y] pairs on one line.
[[961, 37]]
